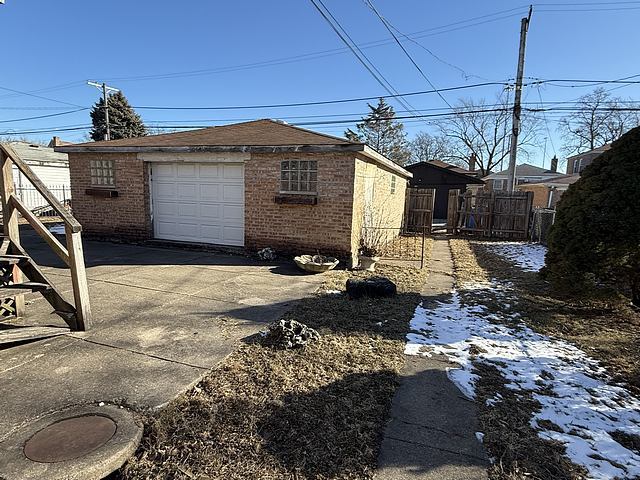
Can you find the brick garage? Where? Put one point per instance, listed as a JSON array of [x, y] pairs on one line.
[[254, 184]]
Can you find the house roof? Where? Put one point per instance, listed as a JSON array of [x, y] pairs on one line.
[[467, 175], [30, 152], [524, 170], [559, 180], [260, 136], [591, 153]]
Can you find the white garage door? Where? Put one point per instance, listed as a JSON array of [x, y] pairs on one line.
[[198, 202]]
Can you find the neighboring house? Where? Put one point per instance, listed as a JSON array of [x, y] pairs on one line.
[[50, 166], [443, 177], [525, 173], [577, 163], [254, 184], [547, 192]]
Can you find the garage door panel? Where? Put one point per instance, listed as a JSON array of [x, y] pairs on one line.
[[210, 192], [165, 190], [164, 170], [209, 170], [233, 235], [210, 211], [233, 172], [199, 202], [188, 210], [233, 193], [186, 170]]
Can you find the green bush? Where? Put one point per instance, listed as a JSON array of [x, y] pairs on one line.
[[596, 236]]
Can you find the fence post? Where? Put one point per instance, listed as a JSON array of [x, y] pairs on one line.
[[10, 220]]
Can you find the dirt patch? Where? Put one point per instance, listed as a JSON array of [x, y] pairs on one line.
[[315, 412]]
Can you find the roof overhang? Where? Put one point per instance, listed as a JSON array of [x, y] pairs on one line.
[[355, 147]]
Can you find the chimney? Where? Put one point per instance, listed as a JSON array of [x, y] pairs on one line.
[[55, 142], [472, 162], [554, 164]]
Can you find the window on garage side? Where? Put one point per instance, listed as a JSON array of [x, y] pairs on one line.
[[102, 173], [299, 176], [393, 184]]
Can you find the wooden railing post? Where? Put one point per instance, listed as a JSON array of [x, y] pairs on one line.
[[79, 278], [10, 221]]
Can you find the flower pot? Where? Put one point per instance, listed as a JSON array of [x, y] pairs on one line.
[[368, 263], [315, 263]]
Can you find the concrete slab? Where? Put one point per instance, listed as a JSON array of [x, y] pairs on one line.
[[431, 434], [158, 327]]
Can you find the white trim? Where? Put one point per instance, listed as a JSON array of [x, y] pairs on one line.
[[195, 157]]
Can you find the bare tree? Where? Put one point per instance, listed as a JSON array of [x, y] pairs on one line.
[[425, 147], [484, 130], [600, 119]]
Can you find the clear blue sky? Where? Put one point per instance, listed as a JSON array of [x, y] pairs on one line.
[[62, 44]]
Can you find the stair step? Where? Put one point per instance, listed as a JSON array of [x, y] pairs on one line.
[[13, 259], [20, 288], [21, 334]]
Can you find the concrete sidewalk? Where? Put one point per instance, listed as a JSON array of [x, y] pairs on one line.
[[162, 318], [431, 434]]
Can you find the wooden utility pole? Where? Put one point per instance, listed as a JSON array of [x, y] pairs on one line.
[[517, 109], [105, 88]]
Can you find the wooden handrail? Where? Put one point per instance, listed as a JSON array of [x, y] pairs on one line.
[[39, 227], [62, 212]]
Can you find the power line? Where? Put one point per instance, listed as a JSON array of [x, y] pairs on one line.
[[387, 25], [40, 97], [359, 54], [44, 116]]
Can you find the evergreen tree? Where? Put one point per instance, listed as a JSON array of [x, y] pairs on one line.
[[381, 132], [596, 235], [124, 122]]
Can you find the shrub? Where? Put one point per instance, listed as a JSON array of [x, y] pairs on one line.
[[596, 235]]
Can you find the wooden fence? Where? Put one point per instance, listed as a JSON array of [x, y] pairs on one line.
[[490, 214], [418, 213]]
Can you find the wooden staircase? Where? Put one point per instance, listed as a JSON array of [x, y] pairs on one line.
[[16, 264]]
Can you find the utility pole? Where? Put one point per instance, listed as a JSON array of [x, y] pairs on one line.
[[105, 88], [517, 109]]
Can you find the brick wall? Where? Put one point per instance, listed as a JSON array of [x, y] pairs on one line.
[[372, 184], [127, 216], [540, 194], [324, 228]]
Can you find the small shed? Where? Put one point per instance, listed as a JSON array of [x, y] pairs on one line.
[[442, 177]]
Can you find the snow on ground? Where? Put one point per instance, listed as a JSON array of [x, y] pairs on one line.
[[528, 256], [583, 403]]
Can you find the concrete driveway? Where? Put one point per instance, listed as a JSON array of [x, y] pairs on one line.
[[161, 318]]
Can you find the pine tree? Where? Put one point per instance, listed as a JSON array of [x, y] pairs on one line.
[[124, 122], [596, 235], [381, 132]]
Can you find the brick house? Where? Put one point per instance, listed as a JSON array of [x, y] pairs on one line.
[[252, 185]]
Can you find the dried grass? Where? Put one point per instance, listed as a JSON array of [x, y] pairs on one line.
[[518, 452], [311, 413]]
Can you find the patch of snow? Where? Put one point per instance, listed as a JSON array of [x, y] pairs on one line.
[[480, 436], [57, 229], [528, 256], [573, 389], [332, 292]]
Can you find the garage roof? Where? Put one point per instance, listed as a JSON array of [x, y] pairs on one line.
[[262, 136], [255, 133]]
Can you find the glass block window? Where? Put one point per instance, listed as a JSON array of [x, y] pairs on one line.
[[102, 173], [299, 176], [393, 184]]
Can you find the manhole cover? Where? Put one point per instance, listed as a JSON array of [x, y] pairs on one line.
[[69, 438]]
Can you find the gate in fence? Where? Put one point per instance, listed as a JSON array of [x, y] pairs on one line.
[[490, 214], [418, 213]]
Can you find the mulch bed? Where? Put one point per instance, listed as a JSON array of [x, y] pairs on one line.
[[311, 413]]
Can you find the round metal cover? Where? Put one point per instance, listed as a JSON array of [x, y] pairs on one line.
[[70, 438]]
